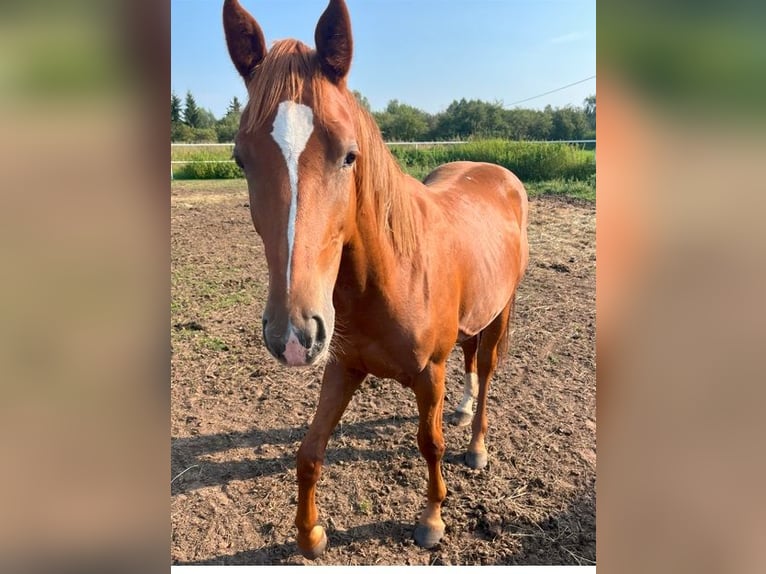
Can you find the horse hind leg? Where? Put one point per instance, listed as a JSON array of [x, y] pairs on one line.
[[464, 411], [492, 340]]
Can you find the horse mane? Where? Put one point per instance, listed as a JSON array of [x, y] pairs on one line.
[[283, 74]]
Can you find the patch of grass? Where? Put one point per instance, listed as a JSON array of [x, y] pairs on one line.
[[530, 161], [363, 506], [214, 343], [219, 170], [201, 153], [231, 299], [217, 164], [564, 188], [200, 294], [556, 187], [419, 172]]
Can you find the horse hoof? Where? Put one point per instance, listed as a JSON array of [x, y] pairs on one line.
[[476, 460], [427, 537], [315, 551], [461, 419]]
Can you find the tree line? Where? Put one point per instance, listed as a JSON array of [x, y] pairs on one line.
[[462, 120], [192, 123]]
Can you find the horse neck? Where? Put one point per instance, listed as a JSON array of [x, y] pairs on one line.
[[372, 259]]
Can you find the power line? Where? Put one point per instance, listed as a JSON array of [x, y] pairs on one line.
[[552, 91]]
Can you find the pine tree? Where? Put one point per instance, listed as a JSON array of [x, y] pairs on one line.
[[235, 108], [191, 111], [226, 128], [175, 109], [363, 101]]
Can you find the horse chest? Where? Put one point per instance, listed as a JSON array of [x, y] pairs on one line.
[[384, 349]]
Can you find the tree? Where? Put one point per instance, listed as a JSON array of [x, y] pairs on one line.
[[191, 111], [569, 124], [526, 124], [227, 127], [590, 111], [400, 122], [206, 118], [541, 124], [175, 109], [205, 135], [180, 132], [466, 118], [363, 101], [235, 108]]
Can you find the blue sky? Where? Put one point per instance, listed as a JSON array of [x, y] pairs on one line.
[[425, 53]]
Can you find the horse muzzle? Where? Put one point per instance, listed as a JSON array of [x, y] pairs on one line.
[[301, 343]]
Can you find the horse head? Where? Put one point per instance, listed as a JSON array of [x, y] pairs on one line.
[[298, 147]]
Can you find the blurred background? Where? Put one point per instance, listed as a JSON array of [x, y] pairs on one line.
[[680, 200], [84, 286]]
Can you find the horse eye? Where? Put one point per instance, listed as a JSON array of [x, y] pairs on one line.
[[350, 158]]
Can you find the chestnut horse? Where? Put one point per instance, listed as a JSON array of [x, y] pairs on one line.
[[370, 270]]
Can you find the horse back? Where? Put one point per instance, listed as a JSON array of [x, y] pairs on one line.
[[488, 206], [481, 183]]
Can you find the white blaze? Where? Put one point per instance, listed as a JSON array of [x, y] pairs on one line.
[[292, 129]]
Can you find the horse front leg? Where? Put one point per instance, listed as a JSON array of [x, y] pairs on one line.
[[338, 386], [429, 392]]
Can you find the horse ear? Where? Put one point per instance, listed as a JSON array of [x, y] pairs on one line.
[[244, 38], [333, 41]]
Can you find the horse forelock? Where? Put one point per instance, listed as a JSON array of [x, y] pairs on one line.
[[282, 75], [290, 71]]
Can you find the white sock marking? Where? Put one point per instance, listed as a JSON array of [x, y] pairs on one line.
[[293, 126], [470, 391]]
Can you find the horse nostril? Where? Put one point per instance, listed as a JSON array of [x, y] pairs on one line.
[[321, 332], [274, 344]]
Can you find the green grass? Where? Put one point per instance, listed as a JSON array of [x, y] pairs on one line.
[[201, 152], [363, 506], [546, 169], [214, 343], [199, 338], [226, 169], [530, 161], [585, 190], [210, 293], [558, 187]]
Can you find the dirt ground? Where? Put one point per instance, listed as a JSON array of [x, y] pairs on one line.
[[238, 417]]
